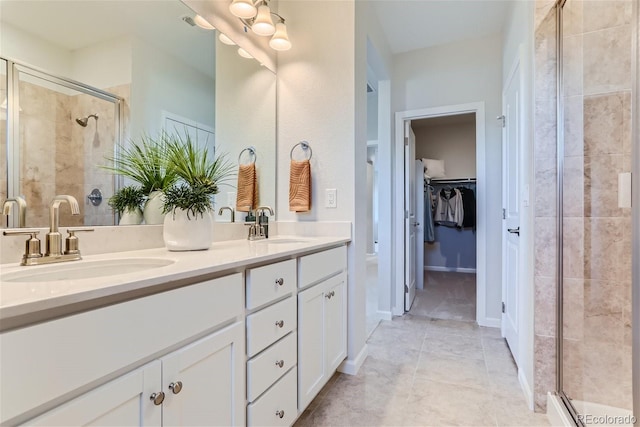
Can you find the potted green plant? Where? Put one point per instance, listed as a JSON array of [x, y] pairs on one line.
[[128, 203], [188, 202], [147, 163]]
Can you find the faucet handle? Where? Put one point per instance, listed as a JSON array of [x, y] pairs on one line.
[[71, 244], [32, 245]]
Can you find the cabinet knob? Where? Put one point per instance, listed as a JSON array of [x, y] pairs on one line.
[[333, 293], [280, 414], [280, 363], [328, 295], [280, 281], [176, 387], [280, 323], [157, 398]]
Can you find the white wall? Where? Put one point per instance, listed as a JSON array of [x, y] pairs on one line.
[[161, 82], [372, 116], [518, 40], [453, 143], [459, 73], [322, 99], [103, 65]]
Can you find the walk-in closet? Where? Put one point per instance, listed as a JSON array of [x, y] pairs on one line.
[[446, 156]]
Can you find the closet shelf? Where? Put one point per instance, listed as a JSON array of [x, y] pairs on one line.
[[451, 180]]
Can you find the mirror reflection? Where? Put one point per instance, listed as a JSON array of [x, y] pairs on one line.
[[83, 76]]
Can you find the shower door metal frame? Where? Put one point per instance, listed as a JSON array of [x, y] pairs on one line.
[[14, 69]]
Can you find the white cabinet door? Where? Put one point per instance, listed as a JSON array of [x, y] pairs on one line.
[[205, 381], [335, 322], [122, 402], [311, 347]]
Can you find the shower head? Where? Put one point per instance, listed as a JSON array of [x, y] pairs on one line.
[[83, 121]]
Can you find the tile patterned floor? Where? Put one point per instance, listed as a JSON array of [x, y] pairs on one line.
[[427, 372], [447, 295]]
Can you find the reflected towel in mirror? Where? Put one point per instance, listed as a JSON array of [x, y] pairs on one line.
[[247, 188]]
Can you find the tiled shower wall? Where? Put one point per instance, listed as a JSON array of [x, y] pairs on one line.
[[596, 238]]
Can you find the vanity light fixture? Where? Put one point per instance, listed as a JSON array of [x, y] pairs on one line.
[[244, 53], [256, 14], [203, 23], [226, 40]]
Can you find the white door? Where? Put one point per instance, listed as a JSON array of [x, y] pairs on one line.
[[420, 209], [410, 216], [512, 134], [204, 382], [121, 402]]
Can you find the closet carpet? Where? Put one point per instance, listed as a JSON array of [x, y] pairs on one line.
[[446, 295], [427, 372]]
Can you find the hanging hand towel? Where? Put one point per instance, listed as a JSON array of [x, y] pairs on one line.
[[247, 188], [300, 186]]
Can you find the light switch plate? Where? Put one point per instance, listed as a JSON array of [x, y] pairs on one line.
[[331, 199]]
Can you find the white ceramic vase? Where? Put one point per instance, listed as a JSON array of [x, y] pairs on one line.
[[187, 233], [153, 208], [131, 217]]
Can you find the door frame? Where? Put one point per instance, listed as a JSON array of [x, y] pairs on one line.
[[481, 227]]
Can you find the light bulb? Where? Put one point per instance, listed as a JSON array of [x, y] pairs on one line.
[[280, 40], [202, 23], [226, 40], [243, 9], [244, 53], [263, 25]]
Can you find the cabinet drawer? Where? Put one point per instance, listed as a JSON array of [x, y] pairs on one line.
[[315, 267], [264, 369], [268, 283], [279, 400], [68, 353], [270, 324]]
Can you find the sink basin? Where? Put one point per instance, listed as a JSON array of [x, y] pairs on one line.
[[282, 241], [75, 270]]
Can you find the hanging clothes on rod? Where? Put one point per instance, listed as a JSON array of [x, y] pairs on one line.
[[449, 208], [429, 226]]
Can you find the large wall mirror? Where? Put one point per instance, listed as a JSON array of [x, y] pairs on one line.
[[79, 77]]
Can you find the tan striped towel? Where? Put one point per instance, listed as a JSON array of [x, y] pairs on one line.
[[300, 186], [247, 188]]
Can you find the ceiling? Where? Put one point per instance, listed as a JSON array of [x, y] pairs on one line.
[[417, 24]]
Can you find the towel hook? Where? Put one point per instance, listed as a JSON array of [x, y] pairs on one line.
[[252, 152], [305, 146]]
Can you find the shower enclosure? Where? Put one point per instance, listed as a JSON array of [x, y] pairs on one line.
[[597, 149], [55, 134]]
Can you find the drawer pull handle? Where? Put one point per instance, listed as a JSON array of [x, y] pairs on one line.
[[280, 363], [157, 398], [331, 294], [280, 414], [280, 323], [328, 295], [176, 387], [280, 281]]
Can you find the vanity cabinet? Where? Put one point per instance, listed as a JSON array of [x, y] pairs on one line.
[[108, 357], [199, 384], [272, 345], [322, 322]]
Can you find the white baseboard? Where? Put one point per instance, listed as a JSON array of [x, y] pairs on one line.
[[557, 414], [528, 391], [352, 366], [385, 315], [449, 269], [490, 322]]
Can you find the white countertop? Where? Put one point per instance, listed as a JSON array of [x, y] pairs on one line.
[[26, 299]]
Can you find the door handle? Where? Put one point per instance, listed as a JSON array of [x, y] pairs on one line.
[[514, 230]]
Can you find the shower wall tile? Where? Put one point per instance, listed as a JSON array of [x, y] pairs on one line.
[[545, 244], [572, 16], [607, 379], [544, 370], [600, 14], [545, 129], [572, 65], [545, 59], [3, 160], [604, 120], [612, 47], [546, 187], [604, 249], [627, 139], [574, 126], [573, 368], [573, 309], [573, 248], [545, 303], [573, 187], [604, 297]]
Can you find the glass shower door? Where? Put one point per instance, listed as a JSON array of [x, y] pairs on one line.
[[595, 152]]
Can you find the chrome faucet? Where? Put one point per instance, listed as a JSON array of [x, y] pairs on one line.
[[256, 230], [21, 204], [230, 209], [54, 253]]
